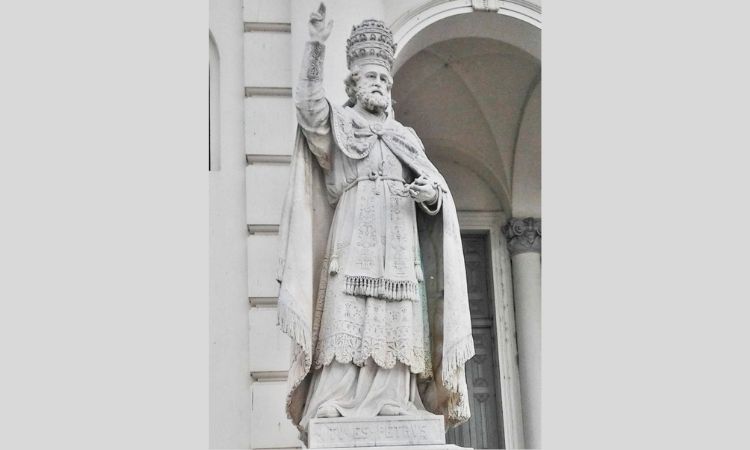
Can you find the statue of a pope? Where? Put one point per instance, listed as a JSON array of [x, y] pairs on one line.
[[374, 295]]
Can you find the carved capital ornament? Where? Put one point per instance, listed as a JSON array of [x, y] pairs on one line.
[[524, 235]]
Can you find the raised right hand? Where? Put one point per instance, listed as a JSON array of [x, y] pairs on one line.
[[319, 30]]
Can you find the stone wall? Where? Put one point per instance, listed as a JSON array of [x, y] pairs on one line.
[[269, 137]]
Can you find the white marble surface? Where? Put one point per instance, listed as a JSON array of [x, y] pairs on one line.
[[274, 11], [262, 249], [269, 347], [266, 187], [267, 59], [269, 424], [270, 126], [408, 447], [382, 431]]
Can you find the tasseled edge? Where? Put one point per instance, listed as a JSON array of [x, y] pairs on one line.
[[280, 270], [293, 326], [333, 268], [418, 271], [298, 370], [454, 380], [381, 288], [454, 359], [428, 374], [458, 409]]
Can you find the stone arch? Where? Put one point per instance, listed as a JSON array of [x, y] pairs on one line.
[[422, 32], [520, 29], [527, 170]]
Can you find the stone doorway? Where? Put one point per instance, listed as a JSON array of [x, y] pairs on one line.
[[485, 428]]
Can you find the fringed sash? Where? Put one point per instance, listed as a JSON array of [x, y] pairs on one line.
[[382, 288]]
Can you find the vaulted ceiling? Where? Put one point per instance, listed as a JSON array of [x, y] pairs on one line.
[[466, 98]]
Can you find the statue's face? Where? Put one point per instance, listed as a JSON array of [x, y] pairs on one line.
[[374, 88]]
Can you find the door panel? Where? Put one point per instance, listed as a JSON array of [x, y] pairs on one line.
[[484, 429]]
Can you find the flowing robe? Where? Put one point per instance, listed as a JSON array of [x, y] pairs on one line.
[[368, 334]]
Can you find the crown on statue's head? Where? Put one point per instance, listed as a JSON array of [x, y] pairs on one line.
[[371, 42]]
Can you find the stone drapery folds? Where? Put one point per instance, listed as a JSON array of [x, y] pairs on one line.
[[304, 276]]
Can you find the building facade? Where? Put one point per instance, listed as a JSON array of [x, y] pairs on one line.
[[467, 78]]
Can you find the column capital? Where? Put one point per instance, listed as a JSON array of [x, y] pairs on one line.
[[524, 235]]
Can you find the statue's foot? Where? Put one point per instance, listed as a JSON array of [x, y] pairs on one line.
[[390, 410], [325, 412]]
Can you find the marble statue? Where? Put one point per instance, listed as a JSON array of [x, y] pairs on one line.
[[372, 280]]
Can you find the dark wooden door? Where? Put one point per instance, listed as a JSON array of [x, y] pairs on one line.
[[484, 429]]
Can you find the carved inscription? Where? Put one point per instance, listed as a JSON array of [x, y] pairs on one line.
[[376, 432]]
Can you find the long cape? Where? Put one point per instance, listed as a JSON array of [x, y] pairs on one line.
[[303, 231]]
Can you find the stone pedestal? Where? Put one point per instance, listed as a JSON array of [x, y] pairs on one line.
[[425, 432], [404, 447]]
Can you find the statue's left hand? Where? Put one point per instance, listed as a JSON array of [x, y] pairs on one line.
[[422, 190]]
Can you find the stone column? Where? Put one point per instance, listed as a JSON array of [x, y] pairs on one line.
[[525, 246]]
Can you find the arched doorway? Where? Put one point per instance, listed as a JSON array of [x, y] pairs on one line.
[[463, 83]]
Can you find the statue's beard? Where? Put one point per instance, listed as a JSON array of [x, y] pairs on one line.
[[372, 102]]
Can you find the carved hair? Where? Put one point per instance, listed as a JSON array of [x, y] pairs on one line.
[[351, 85]]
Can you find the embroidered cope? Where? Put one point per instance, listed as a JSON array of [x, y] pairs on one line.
[[367, 308], [372, 301]]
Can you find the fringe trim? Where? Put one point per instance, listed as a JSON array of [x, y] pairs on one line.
[[381, 288], [293, 326], [418, 271], [297, 373], [458, 409], [454, 381], [333, 269], [454, 359], [280, 270], [302, 359]]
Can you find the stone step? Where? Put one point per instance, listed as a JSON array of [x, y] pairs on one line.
[[403, 447]]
